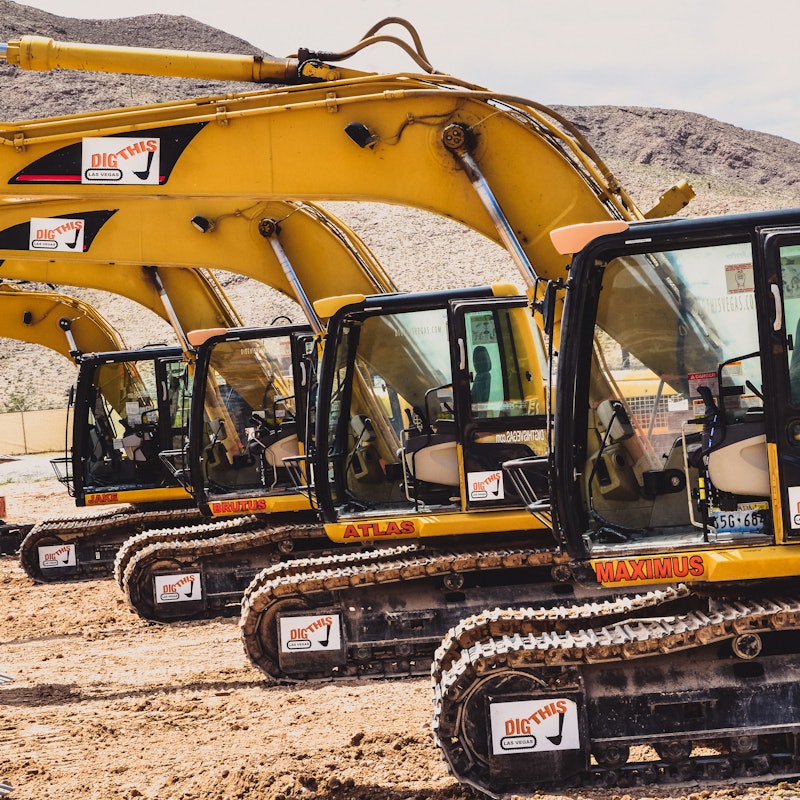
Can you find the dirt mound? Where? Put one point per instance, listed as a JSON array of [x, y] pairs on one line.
[[648, 149]]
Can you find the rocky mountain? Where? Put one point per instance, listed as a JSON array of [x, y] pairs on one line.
[[732, 169]]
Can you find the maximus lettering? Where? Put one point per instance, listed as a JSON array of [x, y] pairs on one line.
[[649, 569]]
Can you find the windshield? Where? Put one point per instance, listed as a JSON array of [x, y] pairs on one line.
[[392, 374], [250, 410], [672, 330]]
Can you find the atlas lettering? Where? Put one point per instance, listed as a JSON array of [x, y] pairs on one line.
[[373, 530]]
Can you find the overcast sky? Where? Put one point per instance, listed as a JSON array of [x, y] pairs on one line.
[[737, 61]]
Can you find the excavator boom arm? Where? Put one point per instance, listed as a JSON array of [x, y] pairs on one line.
[[40, 53], [64, 324], [228, 234], [395, 139]]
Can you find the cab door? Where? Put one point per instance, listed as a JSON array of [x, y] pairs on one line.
[[780, 249], [499, 380]]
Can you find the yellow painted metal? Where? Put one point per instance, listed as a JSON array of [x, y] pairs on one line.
[[275, 504], [711, 565], [326, 307], [36, 317], [291, 142], [424, 526], [573, 238], [162, 495], [327, 255], [775, 493], [41, 53]]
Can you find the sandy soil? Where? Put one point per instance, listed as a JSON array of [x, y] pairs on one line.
[[101, 704], [104, 705]]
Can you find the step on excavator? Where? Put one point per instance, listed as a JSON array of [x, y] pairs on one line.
[[61, 323], [102, 469], [405, 457], [678, 519]]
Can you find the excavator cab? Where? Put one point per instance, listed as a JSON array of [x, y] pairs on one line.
[[677, 425], [676, 482], [129, 406], [248, 415], [423, 398]]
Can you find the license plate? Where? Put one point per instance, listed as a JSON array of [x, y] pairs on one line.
[[746, 519]]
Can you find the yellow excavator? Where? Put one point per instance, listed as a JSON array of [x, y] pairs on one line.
[[405, 449], [117, 426], [675, 501], [680, 520], [262, 242], [61, 323]]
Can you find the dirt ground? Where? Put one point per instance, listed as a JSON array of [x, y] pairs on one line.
[[102, 705]]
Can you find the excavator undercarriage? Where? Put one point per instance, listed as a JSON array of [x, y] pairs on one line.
[[620, 696]]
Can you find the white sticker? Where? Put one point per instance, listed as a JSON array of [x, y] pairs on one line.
[[677, 403], [133, 413], [125, 160], [531, 726], [485, 485], [739, 278], [181, 588], [794, 505], [57, 555], [56, 234], [308, 634]]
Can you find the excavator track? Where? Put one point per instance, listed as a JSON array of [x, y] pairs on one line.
[[492, 624], [71, 548], [11, 537], [131, 546], [542, 705], [380, 613], [190, 578]]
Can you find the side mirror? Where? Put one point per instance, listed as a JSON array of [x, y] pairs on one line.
[[548, 306]]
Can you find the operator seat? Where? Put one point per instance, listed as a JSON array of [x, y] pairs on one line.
[[482, 384], [735, 455]]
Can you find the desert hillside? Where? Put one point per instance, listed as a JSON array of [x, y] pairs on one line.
[[649, 149]]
